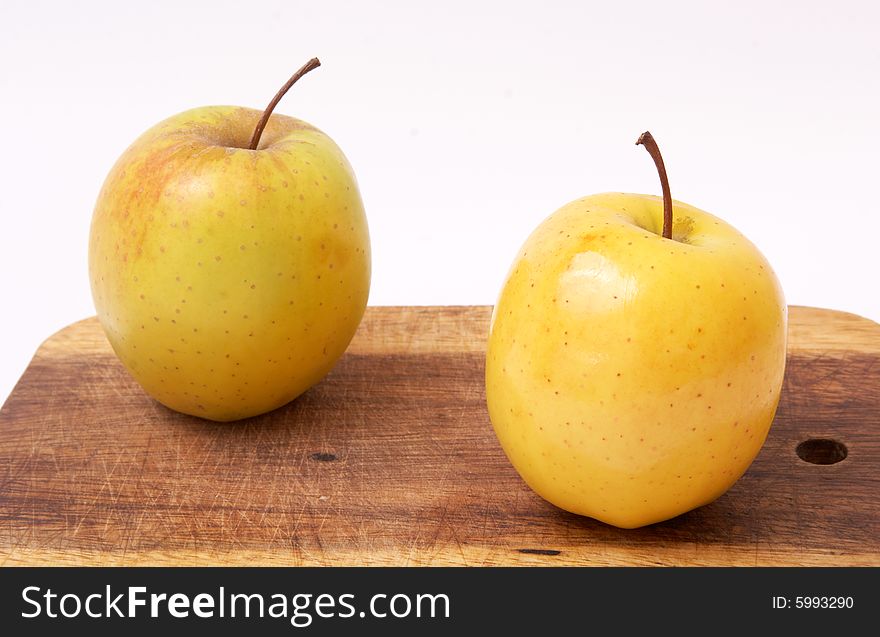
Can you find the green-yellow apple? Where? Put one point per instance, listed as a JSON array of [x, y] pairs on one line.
[[230, 263], [632, 376]]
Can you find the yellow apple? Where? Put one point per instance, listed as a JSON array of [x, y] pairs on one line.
[[632, 377], [230, 280]]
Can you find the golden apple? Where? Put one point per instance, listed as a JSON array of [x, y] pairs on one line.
[[632, 377], [230, 280]]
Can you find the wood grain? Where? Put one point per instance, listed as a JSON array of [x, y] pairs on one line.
[[392, 460]]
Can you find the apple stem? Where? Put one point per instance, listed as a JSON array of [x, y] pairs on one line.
[[258, 131], [647, 140]]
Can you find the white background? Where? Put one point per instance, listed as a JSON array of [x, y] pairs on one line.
[[466, 122]]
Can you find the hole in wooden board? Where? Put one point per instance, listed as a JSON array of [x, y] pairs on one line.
[[821, 451]]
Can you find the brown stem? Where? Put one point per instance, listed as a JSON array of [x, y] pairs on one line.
[[647, 140], [258, 131]]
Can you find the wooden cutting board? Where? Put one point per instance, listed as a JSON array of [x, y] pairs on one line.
[[392, 460]]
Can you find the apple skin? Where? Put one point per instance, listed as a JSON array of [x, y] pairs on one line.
[[229, 281], [632, 378]]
